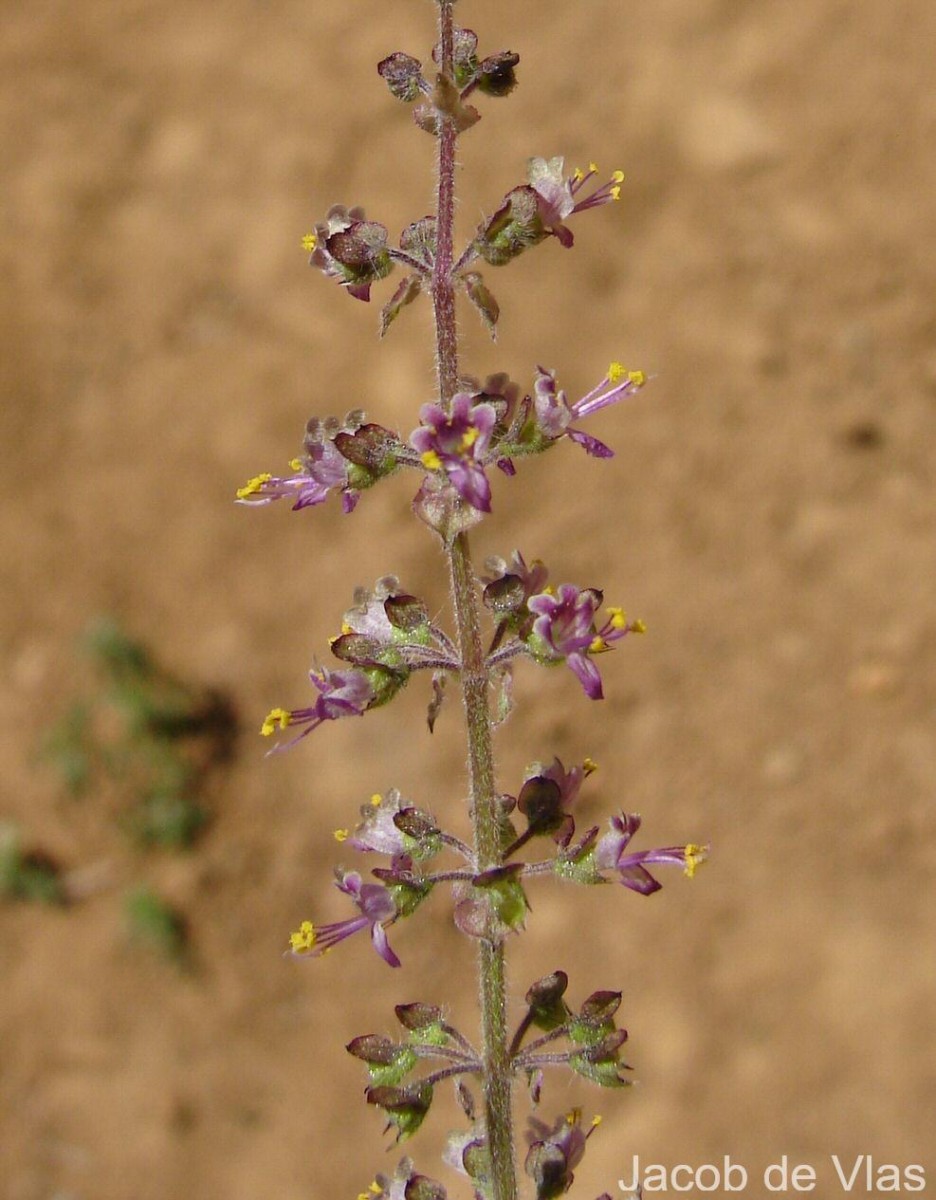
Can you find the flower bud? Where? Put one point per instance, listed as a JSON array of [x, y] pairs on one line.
[[599, 1062], [540, 801], [600, 1007], [424, 1019], [387, 1062], [406, 1107], [548, 1010]]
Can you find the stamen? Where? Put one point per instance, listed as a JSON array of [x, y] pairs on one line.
[[253, 485], [694, 856], [304, 939], [276, 718]]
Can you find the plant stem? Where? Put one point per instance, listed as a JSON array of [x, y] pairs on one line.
[[495, 1052], [474, 677]]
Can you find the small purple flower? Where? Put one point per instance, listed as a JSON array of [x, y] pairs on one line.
[[547, 796], [554, 413], [341, 694], [565, 625], [315, 475], [555, 1153], [557, 193], [455, 443], [377, 909], [610, 856], [377, 831]]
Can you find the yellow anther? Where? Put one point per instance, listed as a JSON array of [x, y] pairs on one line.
[[615, 192], [469, 437], [617, 176], [694, 856], [573, 1117], [374, 1188], [253, 485], [578, 175], [430, 460], [615, 373], [638, 626], [295, 464], [376, 800], [592, 168], [589, 765], [303, 939], [309, 242], [596, 1121], [342, 835], [346, 628], [276, 718], [549, 590], [618, 618], [637, 378], [597, 645]]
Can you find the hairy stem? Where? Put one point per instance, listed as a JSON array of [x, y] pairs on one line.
[[474, 678]]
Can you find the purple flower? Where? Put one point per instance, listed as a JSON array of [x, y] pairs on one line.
[[315, 475], [555, 1153], [455, 443], [377, 909], [404, 1184], [548, 794], [610, 856], [341, 694], [557, 193], [554, 413], [320, 470], [377, 831], [565, 626]]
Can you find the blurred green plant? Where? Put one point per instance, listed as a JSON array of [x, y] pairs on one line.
[[147, 733], [30, 875], [153, 923]]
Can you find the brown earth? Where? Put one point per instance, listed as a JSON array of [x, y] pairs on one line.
[[769, 512]]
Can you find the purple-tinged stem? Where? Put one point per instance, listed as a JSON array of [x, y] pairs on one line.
[[475, 677]]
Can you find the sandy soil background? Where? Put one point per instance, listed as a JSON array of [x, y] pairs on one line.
[[770, 513]]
